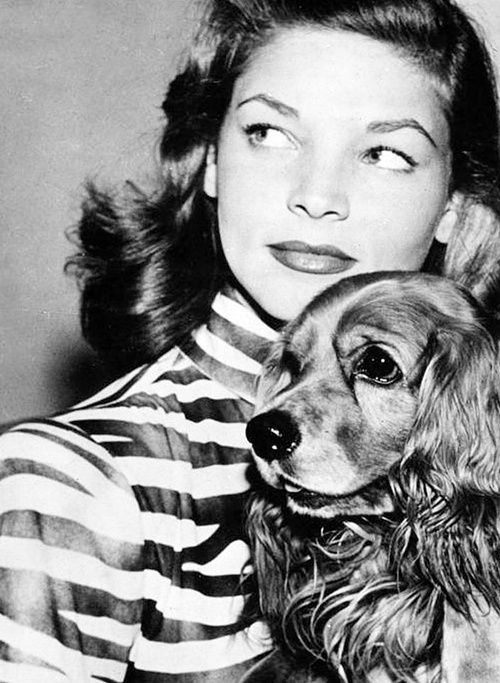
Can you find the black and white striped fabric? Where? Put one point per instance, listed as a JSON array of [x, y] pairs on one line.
[[121, 546]]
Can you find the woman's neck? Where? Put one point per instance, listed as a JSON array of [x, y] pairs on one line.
[[238, 293]]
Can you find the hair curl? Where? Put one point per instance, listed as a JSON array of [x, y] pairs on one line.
[[150, 265]]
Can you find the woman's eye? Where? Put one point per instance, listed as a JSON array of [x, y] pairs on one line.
[[264, 135], [377, 366], [390, 159]]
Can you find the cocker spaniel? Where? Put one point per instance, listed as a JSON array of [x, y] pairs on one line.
[[376, 539]]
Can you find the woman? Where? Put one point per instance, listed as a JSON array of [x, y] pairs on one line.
[[304, 142]]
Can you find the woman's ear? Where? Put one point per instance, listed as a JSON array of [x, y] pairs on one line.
[[449, 218], [210, 177], [473, 252]]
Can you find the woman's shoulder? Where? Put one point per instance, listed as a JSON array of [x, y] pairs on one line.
[[172, 394], [76, 434], [165, 426], [168, 409]]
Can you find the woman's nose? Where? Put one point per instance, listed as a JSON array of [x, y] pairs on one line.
[[320, 191]]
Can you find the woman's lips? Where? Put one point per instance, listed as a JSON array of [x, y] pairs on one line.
[[320, 259]]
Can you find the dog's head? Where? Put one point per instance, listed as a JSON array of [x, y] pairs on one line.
[[379, 369]]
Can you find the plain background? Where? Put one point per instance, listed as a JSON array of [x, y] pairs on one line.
[[81, 82]]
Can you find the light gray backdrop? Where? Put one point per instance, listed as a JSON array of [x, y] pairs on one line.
[[81, 86]]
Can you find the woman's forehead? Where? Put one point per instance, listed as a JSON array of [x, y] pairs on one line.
[[341, 73]]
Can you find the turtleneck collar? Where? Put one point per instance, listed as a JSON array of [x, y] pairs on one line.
[[232, 345]]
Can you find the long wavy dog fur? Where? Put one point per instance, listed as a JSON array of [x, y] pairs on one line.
[[378, 439]]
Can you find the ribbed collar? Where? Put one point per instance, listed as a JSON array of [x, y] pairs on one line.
[[231, 347]]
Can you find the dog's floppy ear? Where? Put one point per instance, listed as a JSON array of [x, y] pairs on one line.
[[456, 435], [448, 482], [278, 550]]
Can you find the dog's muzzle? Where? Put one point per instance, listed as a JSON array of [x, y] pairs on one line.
[[273, 435]]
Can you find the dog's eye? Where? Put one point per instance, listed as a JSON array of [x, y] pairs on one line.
[[377, 366], [291, 363]]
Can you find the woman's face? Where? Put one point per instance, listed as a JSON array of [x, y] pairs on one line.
[[333, 159]]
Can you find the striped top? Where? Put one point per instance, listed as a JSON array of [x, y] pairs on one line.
[[121, 542]]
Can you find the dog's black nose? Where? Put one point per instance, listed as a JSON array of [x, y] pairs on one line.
[[273, 435]]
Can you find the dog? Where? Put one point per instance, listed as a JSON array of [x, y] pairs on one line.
[[375, 537]]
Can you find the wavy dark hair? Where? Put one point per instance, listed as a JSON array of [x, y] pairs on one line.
[[150, 264]]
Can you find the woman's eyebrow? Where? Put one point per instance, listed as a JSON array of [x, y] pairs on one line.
[[272, 102], [397, 124], [375, 127]]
